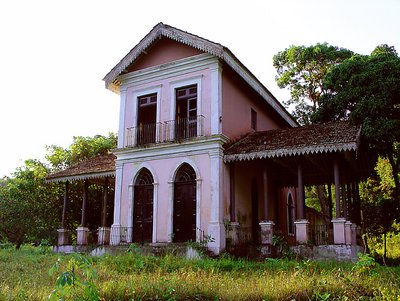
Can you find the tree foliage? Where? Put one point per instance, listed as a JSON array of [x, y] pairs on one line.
[[302, 70], [366, 90], [30, 208], [81, 148]]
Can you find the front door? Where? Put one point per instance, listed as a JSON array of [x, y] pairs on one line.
[[143, 211], [185, 205]]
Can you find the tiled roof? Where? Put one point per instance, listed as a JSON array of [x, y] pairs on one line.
[[312, 139], [93, 168]]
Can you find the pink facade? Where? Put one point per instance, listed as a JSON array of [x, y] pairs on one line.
[[180, 104]]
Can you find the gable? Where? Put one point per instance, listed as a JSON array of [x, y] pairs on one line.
[[160, 52]]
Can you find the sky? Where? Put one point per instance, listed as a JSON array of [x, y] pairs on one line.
[[54, 54]]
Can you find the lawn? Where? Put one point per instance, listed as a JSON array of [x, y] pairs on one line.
[[24, 275]]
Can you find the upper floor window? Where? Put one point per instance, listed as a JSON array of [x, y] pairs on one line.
[[146, 119], [253, 120], [186, 112]]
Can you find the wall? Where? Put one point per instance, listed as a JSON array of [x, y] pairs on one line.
[[237, 101], [163, 171], [163, 51]]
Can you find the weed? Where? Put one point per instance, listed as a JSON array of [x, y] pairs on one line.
[[364, 265], [76, 281]]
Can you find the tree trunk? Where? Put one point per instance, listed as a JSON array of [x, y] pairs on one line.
[[384, 247], [324, 202], [395, 170]]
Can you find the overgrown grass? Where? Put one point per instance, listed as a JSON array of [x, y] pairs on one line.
[[24, 276]]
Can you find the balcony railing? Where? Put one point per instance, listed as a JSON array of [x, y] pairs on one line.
[[169, 131]]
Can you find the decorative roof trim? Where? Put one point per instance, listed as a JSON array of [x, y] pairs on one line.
[[163, 30], [287, 152], [83, 177]]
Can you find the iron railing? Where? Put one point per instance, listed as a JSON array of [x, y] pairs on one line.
[[169, 131], [122, 234], [321, 235]]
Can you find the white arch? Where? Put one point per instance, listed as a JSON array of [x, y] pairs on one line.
[[131, 197], [171, 181]]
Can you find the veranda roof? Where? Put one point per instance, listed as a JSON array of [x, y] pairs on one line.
[[93, 168], [312, 139], [216, 49]]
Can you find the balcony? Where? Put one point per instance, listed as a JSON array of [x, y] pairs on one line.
[[169, 131]]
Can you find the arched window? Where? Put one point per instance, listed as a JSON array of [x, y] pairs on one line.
[[185, 174], [290, 214], [144, 178]]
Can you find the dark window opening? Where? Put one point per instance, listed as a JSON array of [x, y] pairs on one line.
[[290, 214], [186, 112], [253, 120], [147, 117]]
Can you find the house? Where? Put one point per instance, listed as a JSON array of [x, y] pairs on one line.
[[206, 153]]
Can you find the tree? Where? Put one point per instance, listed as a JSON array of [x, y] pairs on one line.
[[82, 148], [30, 208], [366, 90], [302, 69], [28, 205]]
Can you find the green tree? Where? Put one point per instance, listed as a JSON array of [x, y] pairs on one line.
[[302, 70], [28, 205], [366, 90], [81, 148]]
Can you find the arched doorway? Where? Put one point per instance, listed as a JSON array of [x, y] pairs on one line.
[[184, 219], [143, 207]]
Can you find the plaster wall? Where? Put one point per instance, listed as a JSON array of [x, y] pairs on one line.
[[165, 88], [163, 51], [237, 101], [163, 171]]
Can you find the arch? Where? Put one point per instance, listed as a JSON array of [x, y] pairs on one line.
[[175, 170], [144, 175], [290, 213], [185, 204], [144, 178]]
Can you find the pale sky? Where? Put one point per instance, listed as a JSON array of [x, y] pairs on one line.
[[54, 54]]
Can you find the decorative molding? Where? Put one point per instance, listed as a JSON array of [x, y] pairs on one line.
[[172, 69], [84, 177], [203, 145], [286, 152]]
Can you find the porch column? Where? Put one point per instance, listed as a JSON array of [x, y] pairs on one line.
[[82, 231], [104, 231], [64, 235], [116, 226], [301, 224], [338, 222], [337, 188], [216, 229], [234, 226], [300, 193]]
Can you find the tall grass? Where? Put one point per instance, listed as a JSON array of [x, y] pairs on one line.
[[24, 276]]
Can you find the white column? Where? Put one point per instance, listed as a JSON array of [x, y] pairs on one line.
[[302, 231], [216, 227], [155, 212], [115, 228], [121, 130], [170, 211], [339, 236], [216, 99]]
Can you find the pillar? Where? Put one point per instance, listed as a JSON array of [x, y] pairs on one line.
[[116, 226], [302, 227], [300, 194], [216, 229], [64, 235], [337, 188], [82, 232], [104, 231], [232, 210], [347, 232], [339, 236]]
